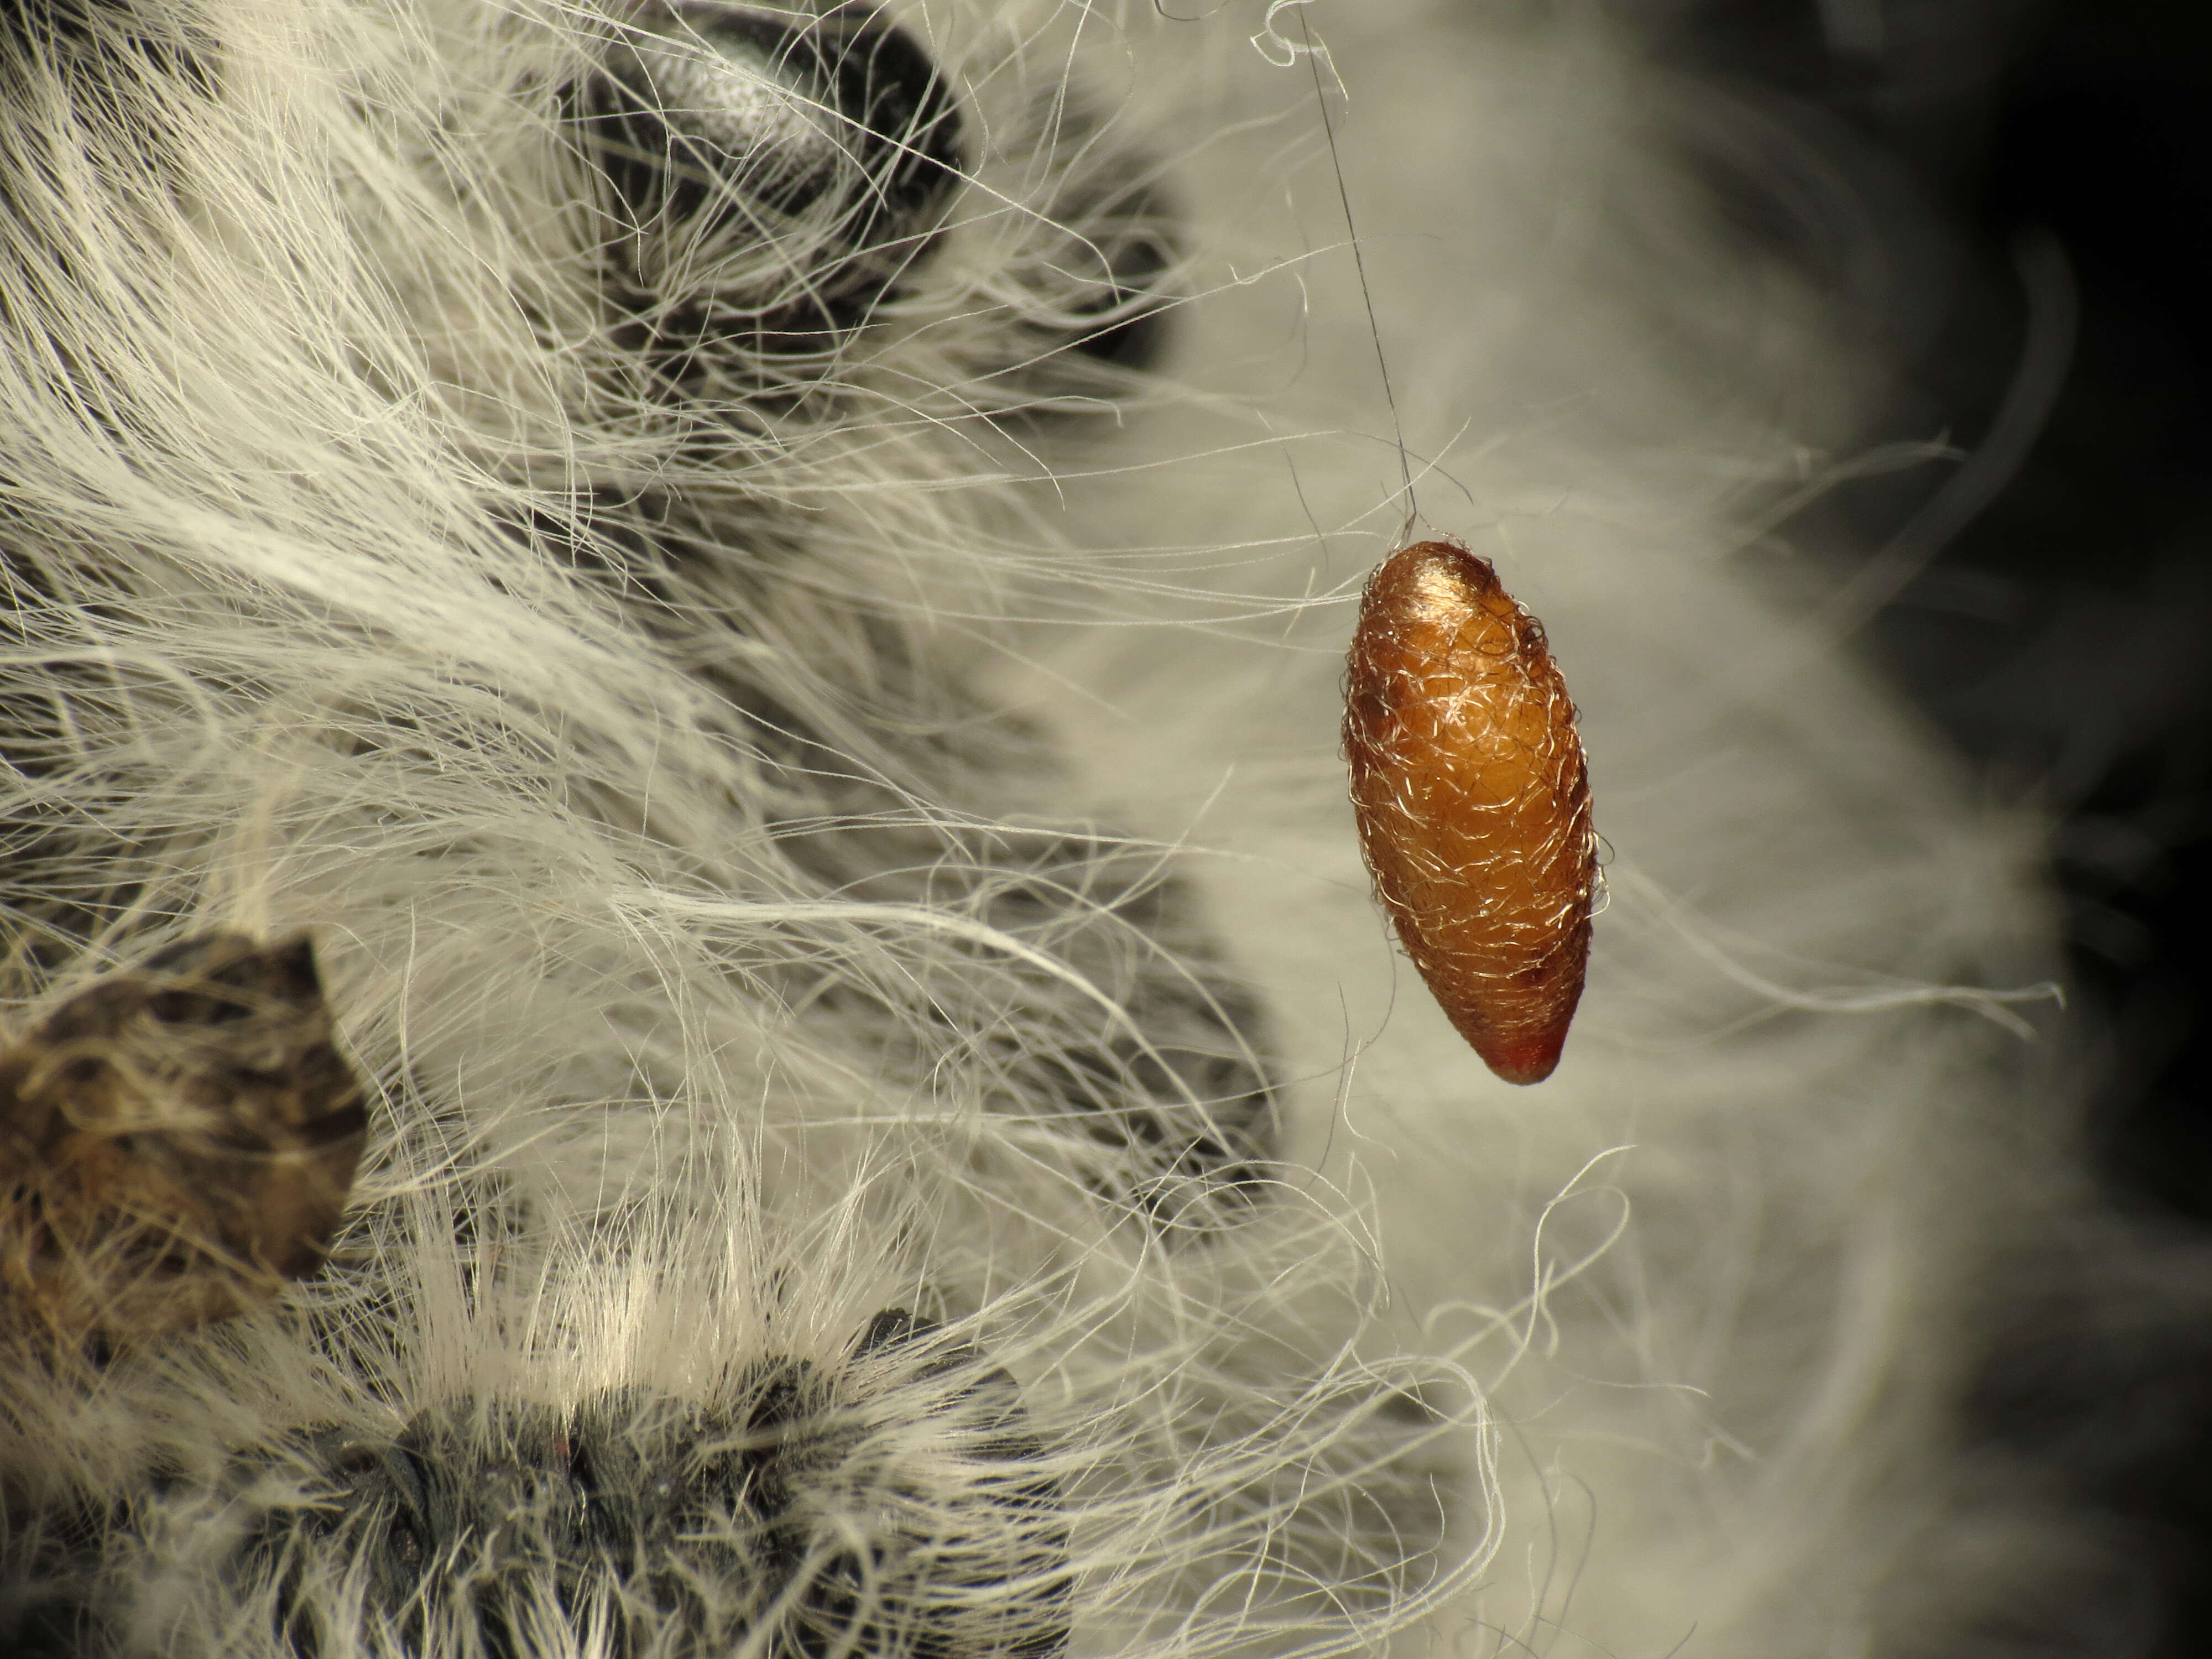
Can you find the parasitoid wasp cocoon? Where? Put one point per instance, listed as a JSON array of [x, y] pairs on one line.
[[1472, 801]]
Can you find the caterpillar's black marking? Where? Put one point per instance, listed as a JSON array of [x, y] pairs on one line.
[[766, 581]]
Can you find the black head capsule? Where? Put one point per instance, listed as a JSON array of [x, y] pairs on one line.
[[772, 176]]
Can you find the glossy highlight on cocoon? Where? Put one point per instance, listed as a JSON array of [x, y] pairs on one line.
[[1472, 801]]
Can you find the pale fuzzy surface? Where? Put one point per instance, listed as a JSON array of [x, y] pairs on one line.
[[723, 1053]]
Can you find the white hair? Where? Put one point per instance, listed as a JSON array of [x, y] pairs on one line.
[[897, 1125]]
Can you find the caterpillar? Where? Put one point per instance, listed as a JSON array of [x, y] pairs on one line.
[[765, 587]]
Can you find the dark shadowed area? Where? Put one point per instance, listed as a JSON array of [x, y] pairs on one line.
[[2040, 172]]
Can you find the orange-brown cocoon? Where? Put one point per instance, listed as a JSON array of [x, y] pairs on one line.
[[1472, 801]]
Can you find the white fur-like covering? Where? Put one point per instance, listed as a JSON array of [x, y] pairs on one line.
[[714, 920]]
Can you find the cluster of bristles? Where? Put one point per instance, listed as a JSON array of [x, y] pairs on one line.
[[472, 479]]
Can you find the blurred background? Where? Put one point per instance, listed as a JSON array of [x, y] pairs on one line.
[[2013, 199]]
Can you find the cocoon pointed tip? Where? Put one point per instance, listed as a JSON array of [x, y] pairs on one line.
[[1471, 797], [1526, 1061]]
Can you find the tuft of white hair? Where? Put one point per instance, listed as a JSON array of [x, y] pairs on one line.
[[729, 805]]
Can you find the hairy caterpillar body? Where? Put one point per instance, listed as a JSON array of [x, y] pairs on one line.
[[768, 585], [1472, 801]]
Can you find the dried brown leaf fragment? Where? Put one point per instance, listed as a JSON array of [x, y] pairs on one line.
[[177, 1140]]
